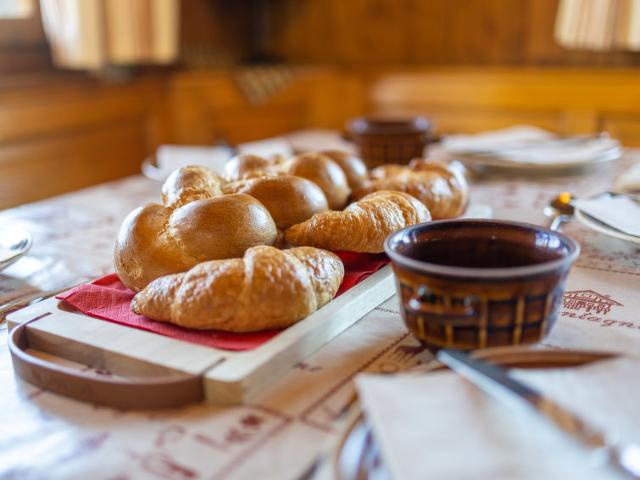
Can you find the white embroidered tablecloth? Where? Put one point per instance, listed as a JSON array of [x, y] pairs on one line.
[[279, 434]]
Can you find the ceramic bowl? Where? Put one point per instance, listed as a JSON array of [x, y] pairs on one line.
[[382, 140], [471, 284]]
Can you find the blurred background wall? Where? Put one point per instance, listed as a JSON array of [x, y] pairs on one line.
[[256, 68]]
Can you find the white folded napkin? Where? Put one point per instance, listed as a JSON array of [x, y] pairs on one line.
[[171, 157], [437, 425], [267, 148], [313, 139], [629, 181], [619, 212]]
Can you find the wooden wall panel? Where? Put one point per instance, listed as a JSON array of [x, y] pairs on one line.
[[68, 134], [42, 168], [566, 101], [57, 136], [425, 32], [208, 106]]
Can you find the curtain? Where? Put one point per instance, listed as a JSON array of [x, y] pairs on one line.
[[93, 34], [598, 25], [16, 8]]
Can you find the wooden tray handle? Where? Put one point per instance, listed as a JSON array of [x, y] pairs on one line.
[[134, 393]]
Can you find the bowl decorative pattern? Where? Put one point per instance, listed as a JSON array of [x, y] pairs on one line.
[[382, 141], [470, 308]]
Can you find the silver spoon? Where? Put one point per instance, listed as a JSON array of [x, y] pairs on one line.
[[560, 210]]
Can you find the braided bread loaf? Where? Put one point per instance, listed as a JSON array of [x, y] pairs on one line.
[[196, 223]]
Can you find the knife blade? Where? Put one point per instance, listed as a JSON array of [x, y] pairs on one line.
[[497, 382]]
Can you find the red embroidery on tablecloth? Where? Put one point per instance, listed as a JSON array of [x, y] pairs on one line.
[[589, 301]]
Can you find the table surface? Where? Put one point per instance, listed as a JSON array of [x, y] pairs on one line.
[[293, 421]]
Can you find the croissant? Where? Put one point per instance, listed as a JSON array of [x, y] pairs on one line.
[[289, 199], [266, 289], [362, 226], [443, 190]]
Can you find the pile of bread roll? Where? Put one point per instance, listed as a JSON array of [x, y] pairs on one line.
[[252, 250]]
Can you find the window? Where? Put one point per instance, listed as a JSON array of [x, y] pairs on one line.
[[16, 8]]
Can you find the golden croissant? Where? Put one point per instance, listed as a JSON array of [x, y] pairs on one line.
[[442, 189], [266, 289], [362, 226]]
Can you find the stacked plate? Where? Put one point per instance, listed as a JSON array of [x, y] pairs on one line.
[[531, 149]]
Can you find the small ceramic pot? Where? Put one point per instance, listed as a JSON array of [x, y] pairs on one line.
[[471, 284], [387, 140]]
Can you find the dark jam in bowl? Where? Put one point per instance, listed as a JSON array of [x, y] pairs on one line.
[[473, 252], [482, 248]]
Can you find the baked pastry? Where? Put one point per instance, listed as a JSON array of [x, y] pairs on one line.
[[190, 183], [318, 168], [325, 173], [248, 166], [156, 240], [362, 226], [353, 167], [266, 289], [442, 189], [455, 178], [289, 199]]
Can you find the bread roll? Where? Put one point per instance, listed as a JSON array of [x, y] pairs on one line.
[[248, 166], [289, 199], [325, 173], [353, 167], [190, 183]]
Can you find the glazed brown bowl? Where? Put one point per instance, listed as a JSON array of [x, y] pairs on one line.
[[382, 140], [470, 284]]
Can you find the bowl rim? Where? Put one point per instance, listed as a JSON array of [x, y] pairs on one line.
[[389, 125], [484, 272]]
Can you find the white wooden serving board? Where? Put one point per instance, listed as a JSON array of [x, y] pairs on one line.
[[229, 377]]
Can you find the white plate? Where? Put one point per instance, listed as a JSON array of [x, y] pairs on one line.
[[601, 227], [14, 243]]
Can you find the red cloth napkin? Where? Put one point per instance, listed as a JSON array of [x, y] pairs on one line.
[[108, 299]]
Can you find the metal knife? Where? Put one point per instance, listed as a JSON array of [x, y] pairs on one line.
[[496, 382]]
